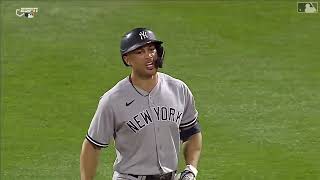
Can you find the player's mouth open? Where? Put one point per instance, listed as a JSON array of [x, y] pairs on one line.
[[150, 65]]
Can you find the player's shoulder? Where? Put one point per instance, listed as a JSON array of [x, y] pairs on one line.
[[117, 90]]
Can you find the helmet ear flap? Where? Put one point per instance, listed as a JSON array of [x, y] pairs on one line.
[[160, 54]]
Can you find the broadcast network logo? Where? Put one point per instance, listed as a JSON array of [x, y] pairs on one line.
[[26, 12], [307, 7]]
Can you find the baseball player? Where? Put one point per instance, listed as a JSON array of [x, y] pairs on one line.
[[148, 114]]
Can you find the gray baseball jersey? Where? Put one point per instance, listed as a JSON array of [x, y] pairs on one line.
[[145, 126]]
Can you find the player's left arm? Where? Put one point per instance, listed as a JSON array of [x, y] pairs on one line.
[[190, 134], [192, 149]]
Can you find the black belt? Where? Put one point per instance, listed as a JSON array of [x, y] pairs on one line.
[[167, 176]]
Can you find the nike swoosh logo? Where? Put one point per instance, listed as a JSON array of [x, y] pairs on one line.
[[128, 103]]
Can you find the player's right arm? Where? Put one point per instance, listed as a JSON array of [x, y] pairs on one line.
[[89, 159], [100, 132]]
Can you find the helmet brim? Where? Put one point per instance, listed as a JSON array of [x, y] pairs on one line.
[[138, 45]]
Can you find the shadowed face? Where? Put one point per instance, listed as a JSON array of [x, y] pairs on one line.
[[142, 61]]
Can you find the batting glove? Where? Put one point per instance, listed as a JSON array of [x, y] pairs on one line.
[[189, 173]]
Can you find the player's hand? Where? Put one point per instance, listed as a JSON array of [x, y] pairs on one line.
[[189, 173]]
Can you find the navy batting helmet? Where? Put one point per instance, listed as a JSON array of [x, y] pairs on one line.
[[137, 38]]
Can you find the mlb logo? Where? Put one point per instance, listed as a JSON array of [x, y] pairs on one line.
[[307, 7], [29, 15]]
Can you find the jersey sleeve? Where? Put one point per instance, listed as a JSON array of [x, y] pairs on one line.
[[190, 114], [101, 128]]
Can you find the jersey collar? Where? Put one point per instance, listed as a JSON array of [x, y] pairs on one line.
[[143, 92]]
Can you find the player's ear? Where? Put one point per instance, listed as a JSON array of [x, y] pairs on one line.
[[126, 59]]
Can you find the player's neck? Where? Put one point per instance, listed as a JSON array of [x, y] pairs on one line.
[[146, 84]]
